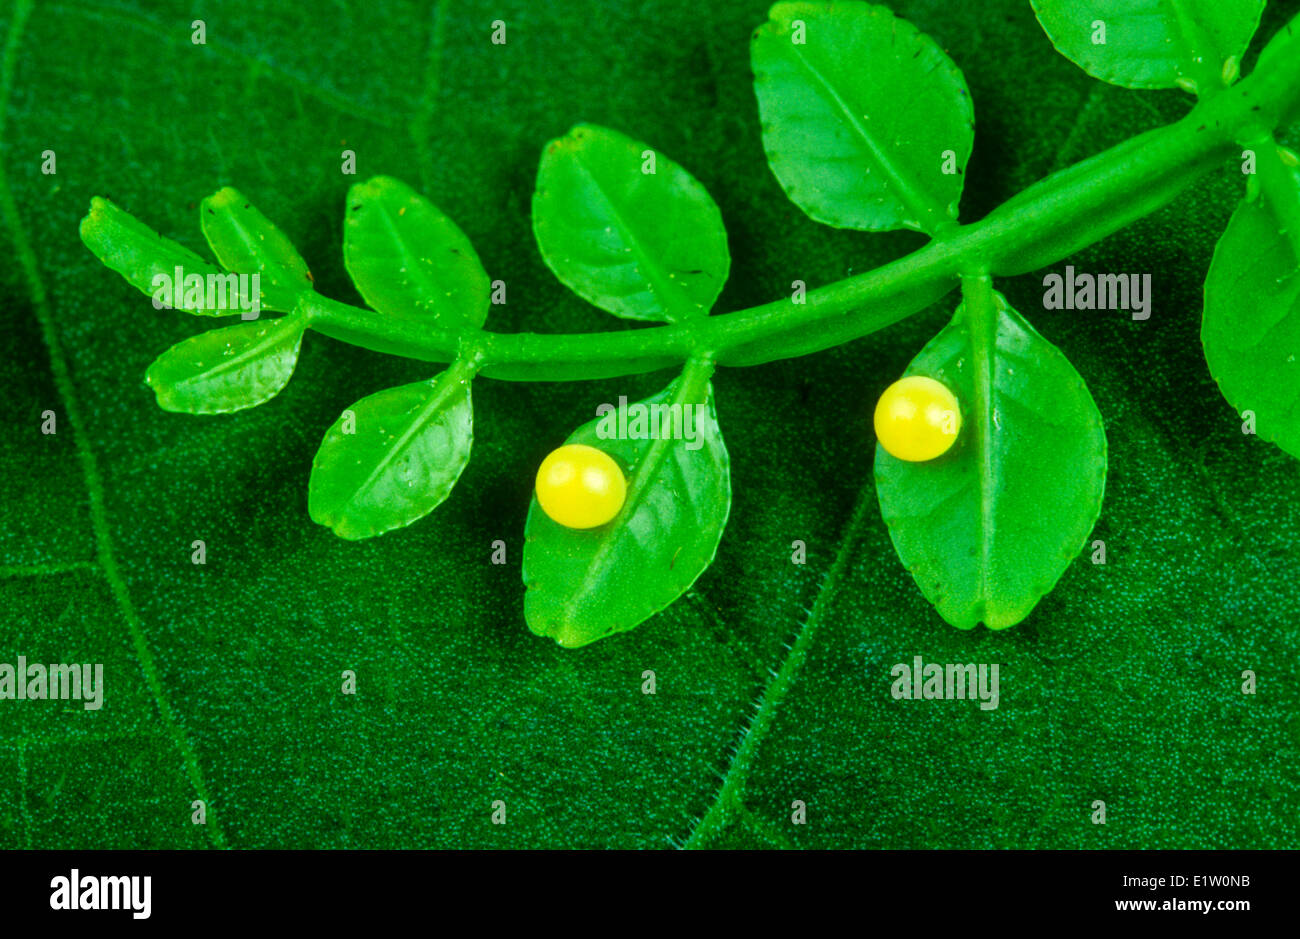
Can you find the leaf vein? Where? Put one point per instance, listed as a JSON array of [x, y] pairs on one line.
[[728, 802], [333, 99]]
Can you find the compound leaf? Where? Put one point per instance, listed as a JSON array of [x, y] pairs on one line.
[[989, 527], [393, 457], [1251, 325], [626, 228], [585, 585], [458, 704], [1151, 43], [245, 242], [227, 369], [409, 259], [867, 124]]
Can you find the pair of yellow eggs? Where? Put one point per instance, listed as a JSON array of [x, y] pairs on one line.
[[578, 486]]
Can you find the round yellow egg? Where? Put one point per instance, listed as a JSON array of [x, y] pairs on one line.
[[917, 419], [580, 487]]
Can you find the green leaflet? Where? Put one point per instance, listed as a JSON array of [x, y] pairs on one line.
[[988, 528], [585, 585], [227, 369], [626, 228], [393, 457], [866, 123], [140, 254], [1251, 325], [408, 259], [1151, 43], [246, 243], [1276, 46]]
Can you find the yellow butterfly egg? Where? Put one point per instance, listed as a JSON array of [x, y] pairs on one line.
[[917, 419], [580, 487]]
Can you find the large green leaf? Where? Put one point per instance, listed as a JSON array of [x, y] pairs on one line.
[[627, 228], [393, 457], [409, 259], [988, 528], [866, 123], [244, 241], [227, 369], [584, 585], [1151, 43], [224, 678], [1251, 325]]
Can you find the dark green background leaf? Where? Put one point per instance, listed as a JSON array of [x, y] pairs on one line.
[[1122, 686], [988, 528]]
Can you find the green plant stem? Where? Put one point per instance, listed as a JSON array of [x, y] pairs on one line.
[[1042, 225]]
